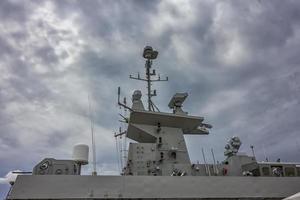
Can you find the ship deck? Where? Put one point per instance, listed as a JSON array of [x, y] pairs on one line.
[[152, 187]]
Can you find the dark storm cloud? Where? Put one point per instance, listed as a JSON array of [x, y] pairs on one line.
[[14, 11], [29, 88], [5, 48], [97, 66], [103, 20], [47, 54], [239, 61], [273, 25]]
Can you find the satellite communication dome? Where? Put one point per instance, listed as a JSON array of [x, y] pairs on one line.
[[81, 153], [137, 94]]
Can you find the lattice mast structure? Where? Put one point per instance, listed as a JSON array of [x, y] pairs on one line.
[[149, 54]]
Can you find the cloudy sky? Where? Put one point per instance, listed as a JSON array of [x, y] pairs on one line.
[[238, 60]]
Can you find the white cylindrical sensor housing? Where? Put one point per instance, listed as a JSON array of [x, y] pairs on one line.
[[81, 153]]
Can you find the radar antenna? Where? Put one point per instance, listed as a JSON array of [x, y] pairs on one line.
[[149, 54]]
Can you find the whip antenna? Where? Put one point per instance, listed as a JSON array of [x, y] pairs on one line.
[[94, 172]]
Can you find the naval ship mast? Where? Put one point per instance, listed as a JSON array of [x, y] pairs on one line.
[[150, 55], [161, 148]]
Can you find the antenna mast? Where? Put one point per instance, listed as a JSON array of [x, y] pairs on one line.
[[149, 54], [94, 173]]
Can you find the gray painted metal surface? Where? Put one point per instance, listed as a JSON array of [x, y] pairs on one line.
[[106, 187]]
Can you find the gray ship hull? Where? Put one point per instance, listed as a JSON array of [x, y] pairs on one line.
[[152, 187]]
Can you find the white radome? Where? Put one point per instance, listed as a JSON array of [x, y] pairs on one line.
[[81, 153]]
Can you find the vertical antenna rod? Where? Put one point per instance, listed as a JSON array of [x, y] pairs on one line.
[[215, 168], [266, 157], [149, 54], [94, 172], [252, 149], [205, 164]]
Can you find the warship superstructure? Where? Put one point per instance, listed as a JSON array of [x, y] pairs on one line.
[[158, 164]]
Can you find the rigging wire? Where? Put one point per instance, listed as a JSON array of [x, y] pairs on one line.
[[120, 152], [125, 139], [117, 154]]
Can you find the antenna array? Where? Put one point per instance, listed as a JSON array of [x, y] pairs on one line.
[[149, 54]]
